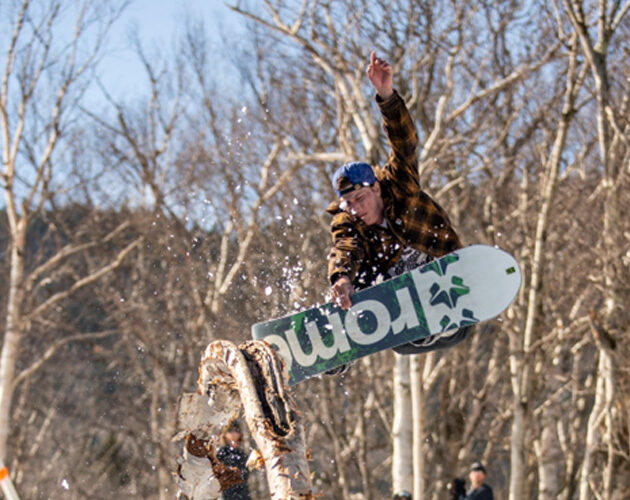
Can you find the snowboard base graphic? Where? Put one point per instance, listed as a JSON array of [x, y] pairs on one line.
[[471, 285]]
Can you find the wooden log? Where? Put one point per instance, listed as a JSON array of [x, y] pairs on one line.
[[253, 378]]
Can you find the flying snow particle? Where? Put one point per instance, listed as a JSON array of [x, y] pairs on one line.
[[268, 291], [64, 484]]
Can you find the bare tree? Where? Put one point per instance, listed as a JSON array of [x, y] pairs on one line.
[[613, 152], [43, 78]]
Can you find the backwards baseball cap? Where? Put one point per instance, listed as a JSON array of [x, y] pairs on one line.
[[477, 466], [351, 176]]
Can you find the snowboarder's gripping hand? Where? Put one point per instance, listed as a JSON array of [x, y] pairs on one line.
[[381, 75], [340, 292]]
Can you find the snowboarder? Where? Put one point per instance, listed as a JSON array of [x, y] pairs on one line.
[[383, 223]]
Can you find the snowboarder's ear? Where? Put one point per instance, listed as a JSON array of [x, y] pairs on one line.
[[376, 187]]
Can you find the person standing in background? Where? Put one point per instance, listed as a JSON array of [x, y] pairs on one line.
[[479, 489], [232, 455]]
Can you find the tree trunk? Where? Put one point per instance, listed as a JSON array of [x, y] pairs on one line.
[[255, 374], [419, 424], [596, 421], [600, 422], [13, 333], [548, 457], [402, 430]]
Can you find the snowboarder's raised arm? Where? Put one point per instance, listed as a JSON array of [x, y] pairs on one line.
[[402, 166]]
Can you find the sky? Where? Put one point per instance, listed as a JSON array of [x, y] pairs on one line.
[[159, 22], [156, 23]]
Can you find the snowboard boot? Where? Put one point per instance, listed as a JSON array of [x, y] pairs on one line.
[[339, 370]]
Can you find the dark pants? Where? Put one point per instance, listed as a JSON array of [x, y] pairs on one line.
[[441, 343]]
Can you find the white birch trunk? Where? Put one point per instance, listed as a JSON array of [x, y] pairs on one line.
[[12, 334], [600, 422], [419, 424], [549, 460], [402, 436], [596, 420], [252, 376]]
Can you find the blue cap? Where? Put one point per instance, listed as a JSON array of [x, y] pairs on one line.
[[351, 176]]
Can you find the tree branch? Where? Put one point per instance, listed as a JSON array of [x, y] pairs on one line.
[[84, 281], [52, 349]]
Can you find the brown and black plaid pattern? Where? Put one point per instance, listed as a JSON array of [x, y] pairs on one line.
[[413, 218]]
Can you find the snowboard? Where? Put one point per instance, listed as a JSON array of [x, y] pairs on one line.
[[468, 286]]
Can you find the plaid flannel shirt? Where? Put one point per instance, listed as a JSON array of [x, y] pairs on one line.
[[413, 218]]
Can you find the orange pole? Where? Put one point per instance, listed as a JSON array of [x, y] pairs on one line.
[[6, 484]]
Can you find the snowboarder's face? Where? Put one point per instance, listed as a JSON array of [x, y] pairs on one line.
[[365, 203]]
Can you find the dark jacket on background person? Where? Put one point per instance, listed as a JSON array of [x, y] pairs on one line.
[[413, 218], [235, 457], [457, 489], [484, 492]]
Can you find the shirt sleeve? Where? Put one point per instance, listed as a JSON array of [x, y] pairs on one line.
[[346, 253], [402, 165]]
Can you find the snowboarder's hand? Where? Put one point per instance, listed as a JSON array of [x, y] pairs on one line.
[[340, 292], [381, 75]]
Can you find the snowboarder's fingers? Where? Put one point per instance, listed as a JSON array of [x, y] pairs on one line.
[[379, 62], [371, 66], [343, 301], [337, 292], [346, 303], [375, 63], [340, 292]]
